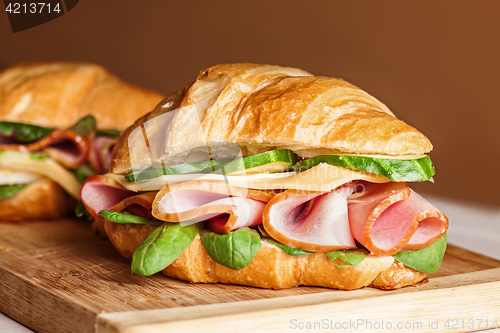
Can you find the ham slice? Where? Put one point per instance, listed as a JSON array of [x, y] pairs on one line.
[[225, 207], [311, 221], [103, 193], [387, 218], [100, 152], [65, 146]]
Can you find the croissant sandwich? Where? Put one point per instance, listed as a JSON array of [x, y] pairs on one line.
[[271, 177], [49, 141]]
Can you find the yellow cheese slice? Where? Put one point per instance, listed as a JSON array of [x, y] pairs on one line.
[[323, 177], [387, 157], [161, 182], [47, 167]]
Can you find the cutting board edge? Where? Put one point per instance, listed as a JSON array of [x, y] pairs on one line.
[[216, 316]]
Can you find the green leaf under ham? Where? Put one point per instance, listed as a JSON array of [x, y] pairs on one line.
[[162, 247], [118, 217], [84, 126], [427, 260], [235, 249], [352, 257], [23, 133], [7, 191]]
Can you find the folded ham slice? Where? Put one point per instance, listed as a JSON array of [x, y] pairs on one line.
[[100, 152], [387, 218], [311, 221], [103, 193], [225, 207], [65, 146]]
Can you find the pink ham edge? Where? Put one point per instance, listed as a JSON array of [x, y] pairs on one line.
[[432, 223], [65, 146], [387, 217], [100, 152], [195, 206], [102, 193], [311, 221]]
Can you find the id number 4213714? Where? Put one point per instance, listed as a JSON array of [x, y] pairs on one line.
[[32, 8]]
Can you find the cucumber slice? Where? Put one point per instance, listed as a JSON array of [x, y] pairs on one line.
[[403, 170], [7, 191], [268, 162], [175, 170]]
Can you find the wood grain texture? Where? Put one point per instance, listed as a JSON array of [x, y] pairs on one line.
[[57, 277]]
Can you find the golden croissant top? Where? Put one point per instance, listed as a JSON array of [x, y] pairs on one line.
[[57, 94], [266, 107]]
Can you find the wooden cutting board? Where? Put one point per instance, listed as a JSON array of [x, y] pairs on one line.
[[57, 277]]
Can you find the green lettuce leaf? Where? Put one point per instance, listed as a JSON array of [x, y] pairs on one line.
[[235, 249], [427, 260], [352, 257], [24, 133], [83, 172], [7, 191], [117, 217], [38, 157], [289, 250], [109, 132], [84, 126], [80, 210], [162, 247]]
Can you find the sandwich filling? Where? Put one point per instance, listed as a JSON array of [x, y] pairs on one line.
[[29, 153], [350, 211]]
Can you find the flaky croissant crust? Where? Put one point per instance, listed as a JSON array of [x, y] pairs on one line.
[[42, 199], [58, 94], [264, 107], [271, 267]]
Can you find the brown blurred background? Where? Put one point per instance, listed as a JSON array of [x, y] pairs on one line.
[[434, 63]]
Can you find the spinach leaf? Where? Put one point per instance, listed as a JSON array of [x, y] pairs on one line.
[[427, 260], [7, 191], [23, 133], [289, 250], [84, 126], [80, 210], [38, 157], [118, 217], [262, 231], [235, 249], [352, 257], [109, 132], [83, 172], [162, 247]]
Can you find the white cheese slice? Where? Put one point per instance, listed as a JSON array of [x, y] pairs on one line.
[[14, 177], [46, 167], [323, 177]]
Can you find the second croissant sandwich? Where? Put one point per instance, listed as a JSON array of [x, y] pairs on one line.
[[271, 177], [58, 123]]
